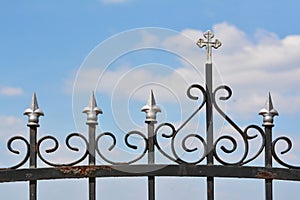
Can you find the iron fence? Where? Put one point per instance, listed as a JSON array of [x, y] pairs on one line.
[[215, 165]]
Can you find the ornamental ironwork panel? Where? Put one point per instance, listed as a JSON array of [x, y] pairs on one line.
[[209, 162]]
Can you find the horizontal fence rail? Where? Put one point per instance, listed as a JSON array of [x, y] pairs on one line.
[[209, 147], [149, 170]]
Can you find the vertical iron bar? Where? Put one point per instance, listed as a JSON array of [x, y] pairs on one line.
[[92, 111], [151, 110], [32, 161], [33, 113], [268, 162], [92, 161], [151, 160], [209, 127], [268, 113], [208, 35]]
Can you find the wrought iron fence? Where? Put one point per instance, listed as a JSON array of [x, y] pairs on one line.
[[215, 165]]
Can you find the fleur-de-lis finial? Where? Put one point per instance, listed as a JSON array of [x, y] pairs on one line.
[[33, 112], [151, 109], [92, 111], [208, 35], [268, 112]]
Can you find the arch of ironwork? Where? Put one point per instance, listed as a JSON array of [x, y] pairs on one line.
[[208, 148]]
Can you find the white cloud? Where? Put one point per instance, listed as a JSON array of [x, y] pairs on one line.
[[251, 65], [11, 125], [10, 91]]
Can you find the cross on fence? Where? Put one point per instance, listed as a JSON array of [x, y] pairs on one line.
[[208, 35], [209, 164]]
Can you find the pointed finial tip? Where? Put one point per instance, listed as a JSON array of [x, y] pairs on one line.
[[151, 108], [33, 112], [92, 110], [34, 105], [268, 112]]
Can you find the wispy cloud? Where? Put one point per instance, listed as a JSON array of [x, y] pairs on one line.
[[11, 125], [11, 91]]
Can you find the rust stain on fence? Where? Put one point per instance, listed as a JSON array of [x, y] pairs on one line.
[[266, 175], [85, 171]]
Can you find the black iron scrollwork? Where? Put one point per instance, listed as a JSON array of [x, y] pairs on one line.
[[55, 148], [226, 144], [174, 132], [246, 137], [244, 133], [11, 149], [288, 148], [128, 144]]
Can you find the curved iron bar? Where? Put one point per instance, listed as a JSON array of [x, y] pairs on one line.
[[131, 146], [191, 96], [176, 158], [243, 133], [289, 147], [56, 145], [235, 144], [204, 154], [172, 135], [262, 146], [10, 148]]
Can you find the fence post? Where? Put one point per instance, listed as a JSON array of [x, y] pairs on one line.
[[268, 113], [151, 109], [92, 112], [33, 113], [209, 44]]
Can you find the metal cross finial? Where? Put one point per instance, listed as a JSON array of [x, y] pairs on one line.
[[33, 112], [151, 109], [268, 112], [208, 35], [92, 110]]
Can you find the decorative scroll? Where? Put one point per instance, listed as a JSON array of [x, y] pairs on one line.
[[128, 144], [55, 148], [288, 148], [243, 133], [174, 132], [10, 148]]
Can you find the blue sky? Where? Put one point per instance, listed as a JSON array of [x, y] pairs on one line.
[[57, 48]]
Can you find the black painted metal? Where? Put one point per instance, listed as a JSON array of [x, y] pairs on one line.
[[268, 162], [33, 161], [215, 166], [151, 160], [209, 128], [183, 170], [92, 161]]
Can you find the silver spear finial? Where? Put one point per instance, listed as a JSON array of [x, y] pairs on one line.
[[92, 111], [151, 109], [268, 112], [33, 112]]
